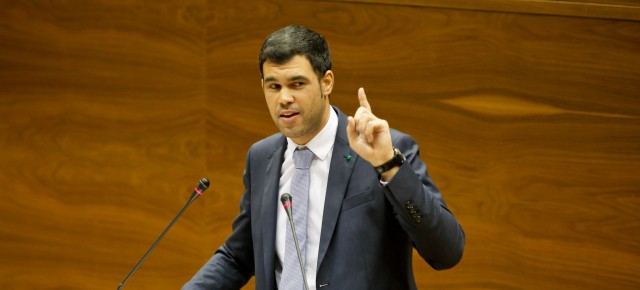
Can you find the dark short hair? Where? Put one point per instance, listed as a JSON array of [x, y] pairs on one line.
[[285, 43]]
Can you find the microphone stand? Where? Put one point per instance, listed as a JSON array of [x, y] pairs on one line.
[[287, 203], [202, 186]]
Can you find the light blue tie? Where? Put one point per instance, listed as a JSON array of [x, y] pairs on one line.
[[291, 273]]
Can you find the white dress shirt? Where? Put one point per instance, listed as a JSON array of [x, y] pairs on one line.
[[322, 147]]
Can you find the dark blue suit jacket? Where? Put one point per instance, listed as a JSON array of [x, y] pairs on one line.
[[368, 230]]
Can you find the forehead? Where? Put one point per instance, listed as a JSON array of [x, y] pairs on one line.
[[298, 65]]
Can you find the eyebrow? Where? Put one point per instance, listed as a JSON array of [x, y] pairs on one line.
[[291, 79]]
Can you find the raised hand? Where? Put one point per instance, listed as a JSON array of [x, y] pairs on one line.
[[368, 135]]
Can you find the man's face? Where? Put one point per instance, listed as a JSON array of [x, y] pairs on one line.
[[298, 102]]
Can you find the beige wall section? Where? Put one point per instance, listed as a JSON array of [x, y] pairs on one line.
[[111, 112]]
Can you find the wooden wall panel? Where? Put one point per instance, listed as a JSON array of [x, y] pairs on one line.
[[605, 9], [101, 140], [110, 113], [529, 123]]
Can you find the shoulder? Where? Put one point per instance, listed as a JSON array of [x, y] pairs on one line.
[[268, 145]]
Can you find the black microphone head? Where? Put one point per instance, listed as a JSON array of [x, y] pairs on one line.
[[200, 188], [287, 203], [285, 198], [203, 184]]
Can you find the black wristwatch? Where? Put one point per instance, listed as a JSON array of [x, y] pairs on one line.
[[397, 160]]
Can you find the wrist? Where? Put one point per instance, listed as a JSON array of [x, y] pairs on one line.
[[387, 176], [384, 159], [396, 160]]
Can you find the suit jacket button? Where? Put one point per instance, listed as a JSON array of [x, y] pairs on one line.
[[417, 217]]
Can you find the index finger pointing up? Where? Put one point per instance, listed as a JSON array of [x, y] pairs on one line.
[[362, 97]]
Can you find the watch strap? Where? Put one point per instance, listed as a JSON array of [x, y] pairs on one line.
[[397, 160]]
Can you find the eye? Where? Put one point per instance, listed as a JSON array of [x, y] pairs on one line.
[[274, 86], [297, 84]]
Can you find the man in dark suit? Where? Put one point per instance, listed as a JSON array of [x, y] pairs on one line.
[[370, 199]]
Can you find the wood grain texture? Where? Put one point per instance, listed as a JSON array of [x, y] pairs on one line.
[[111, 112], [606, 9], [102, 138], [530, 125]]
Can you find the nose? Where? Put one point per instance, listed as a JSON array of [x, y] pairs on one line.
[[286, 97]]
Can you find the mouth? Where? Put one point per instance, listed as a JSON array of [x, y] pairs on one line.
[[288, 115]]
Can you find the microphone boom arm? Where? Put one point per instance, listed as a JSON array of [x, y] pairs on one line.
[[202, 186], [287, 203]]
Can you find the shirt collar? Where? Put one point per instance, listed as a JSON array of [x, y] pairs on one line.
[[322, 143]]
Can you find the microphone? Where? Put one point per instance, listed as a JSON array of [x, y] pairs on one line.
[[287, 203], [197, 191]]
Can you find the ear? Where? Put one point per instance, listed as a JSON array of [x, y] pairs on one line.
[[326, 83]]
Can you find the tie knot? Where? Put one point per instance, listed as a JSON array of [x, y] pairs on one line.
[[302, 158]]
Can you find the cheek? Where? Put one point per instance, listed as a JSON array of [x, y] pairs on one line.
[[270, 100]]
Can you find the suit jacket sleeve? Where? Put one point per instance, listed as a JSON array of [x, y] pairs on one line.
[[421, 210], [231, 266]]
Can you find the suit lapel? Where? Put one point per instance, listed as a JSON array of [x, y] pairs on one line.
[[339, 174], [269, 208]]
